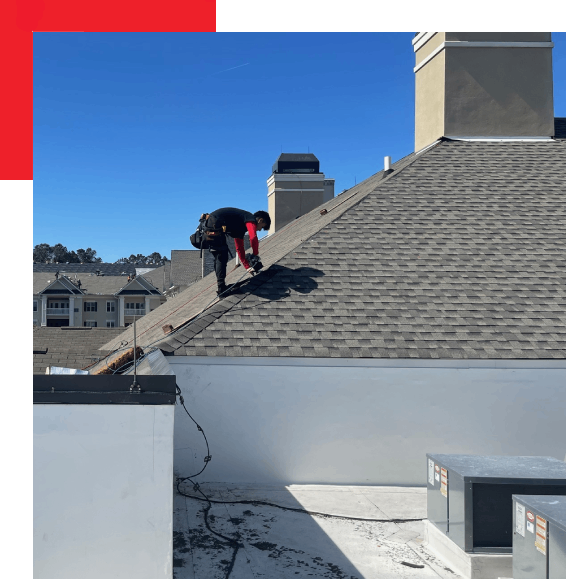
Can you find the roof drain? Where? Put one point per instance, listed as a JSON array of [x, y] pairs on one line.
[[387, 170]]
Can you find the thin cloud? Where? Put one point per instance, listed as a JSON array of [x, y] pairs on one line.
[[239, 66]]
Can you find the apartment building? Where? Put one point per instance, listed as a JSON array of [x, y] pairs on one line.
[[92, 300]]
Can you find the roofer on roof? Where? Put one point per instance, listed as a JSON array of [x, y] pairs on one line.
[[233, 222]]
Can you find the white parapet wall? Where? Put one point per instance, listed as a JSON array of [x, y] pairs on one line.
[[296, 420], [103, 491]]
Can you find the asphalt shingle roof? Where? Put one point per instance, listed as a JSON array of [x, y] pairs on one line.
[[69, 347], [94, 284], [460, 253], [86, 268], [156, 277], [186, 266]]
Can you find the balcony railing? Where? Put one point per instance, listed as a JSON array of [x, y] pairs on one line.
[[57, 311], [132, 312]]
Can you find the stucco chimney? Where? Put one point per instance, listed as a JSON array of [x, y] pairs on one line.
[[483, 84], [296, 186]]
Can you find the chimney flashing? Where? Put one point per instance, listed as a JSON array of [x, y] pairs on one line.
[[518, 139]]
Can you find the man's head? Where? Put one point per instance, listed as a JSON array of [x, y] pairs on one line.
[[263, 220]]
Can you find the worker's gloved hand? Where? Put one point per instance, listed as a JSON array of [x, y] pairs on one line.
[[255, 262]]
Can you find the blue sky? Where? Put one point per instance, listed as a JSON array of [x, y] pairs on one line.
[[136, 134]]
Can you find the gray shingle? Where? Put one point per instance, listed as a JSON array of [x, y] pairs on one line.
[[69, 348], [113, 269], [459, 253]]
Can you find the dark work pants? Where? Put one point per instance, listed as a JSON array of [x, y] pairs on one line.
[[220, 261]]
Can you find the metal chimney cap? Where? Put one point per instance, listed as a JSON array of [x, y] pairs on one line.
[[296, 163]]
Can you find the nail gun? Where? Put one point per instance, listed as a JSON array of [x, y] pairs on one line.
[[255, 264]]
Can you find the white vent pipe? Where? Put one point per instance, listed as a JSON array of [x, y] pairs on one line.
[[387, 163]]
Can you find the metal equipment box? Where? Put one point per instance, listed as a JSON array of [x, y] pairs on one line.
[[469, 497], [539, 537]]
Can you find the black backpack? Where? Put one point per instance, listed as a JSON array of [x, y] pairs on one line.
[[208, 237]]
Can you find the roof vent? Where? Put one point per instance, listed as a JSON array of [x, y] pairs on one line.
[[387, 170]]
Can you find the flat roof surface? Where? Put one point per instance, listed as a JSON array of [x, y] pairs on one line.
[[282, 544]]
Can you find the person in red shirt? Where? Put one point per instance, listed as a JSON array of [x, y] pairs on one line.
[[234, 222]]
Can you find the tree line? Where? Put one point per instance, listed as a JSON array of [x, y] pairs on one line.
[[140, 259], [58, 253]]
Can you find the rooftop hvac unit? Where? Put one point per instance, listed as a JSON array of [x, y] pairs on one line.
[[539, 537], [469, 497], [103, 476]]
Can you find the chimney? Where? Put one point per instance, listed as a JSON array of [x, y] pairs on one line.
[[483, 85], [296, 186]]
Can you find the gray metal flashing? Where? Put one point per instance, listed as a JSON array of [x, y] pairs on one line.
[[501, 139], [367, 362], [103, 389]]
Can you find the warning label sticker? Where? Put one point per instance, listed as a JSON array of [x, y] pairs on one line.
[[430, 472], [540, 535], [530, 522], [444, 482], [520, 519]]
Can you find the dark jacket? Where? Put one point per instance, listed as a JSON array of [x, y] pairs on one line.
[[233, 219]]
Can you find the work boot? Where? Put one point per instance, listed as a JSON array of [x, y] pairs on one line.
[[221, 289]]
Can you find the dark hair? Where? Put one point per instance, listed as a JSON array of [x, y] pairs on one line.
[[265, 216]]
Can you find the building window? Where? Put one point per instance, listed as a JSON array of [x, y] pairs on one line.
[[89, 324], [134, 309], [90, 307], [110, 324], [35, 305], [110, 307]]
